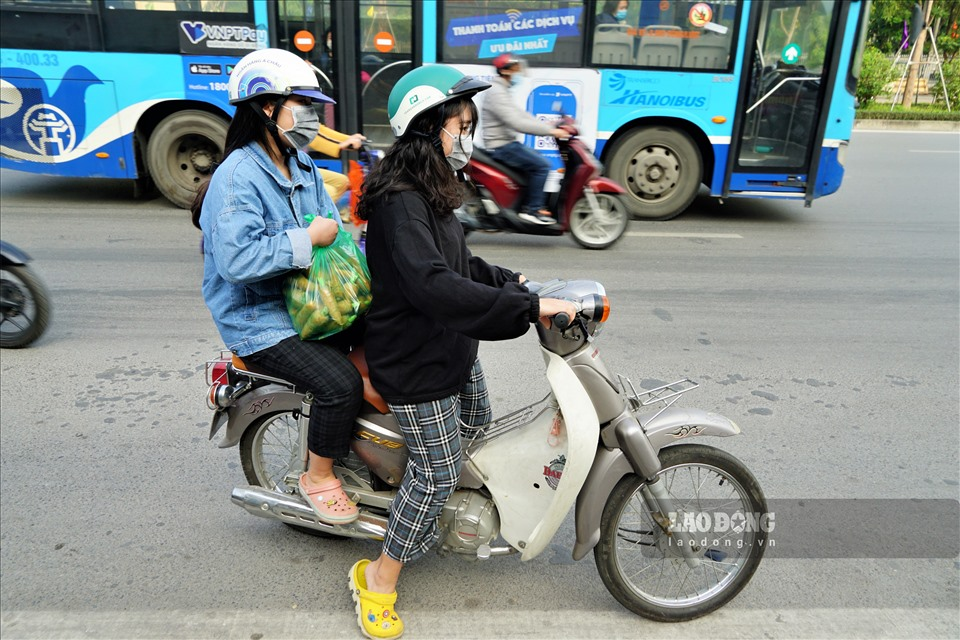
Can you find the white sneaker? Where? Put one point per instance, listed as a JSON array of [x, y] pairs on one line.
[[536, 218]]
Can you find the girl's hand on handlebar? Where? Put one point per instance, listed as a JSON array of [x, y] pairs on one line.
[[563, 134], [550, 307], [323, 231]]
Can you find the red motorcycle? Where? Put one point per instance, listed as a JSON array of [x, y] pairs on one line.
[[587, 205]]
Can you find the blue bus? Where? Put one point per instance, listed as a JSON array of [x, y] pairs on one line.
[[751, 98]]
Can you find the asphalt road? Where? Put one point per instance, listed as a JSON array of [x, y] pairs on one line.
[[829, 334]]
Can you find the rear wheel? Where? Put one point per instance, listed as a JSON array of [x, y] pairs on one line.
[[661, 170], [25, 304], [599, 229], [719, 501], [183, 151], [270, 448]]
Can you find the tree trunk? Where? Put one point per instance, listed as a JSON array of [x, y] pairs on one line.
[[910, 90]]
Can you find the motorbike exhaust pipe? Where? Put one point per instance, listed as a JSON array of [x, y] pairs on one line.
[[291, 510]]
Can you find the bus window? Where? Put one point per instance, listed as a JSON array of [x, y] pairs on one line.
[[683, 34], [30, 25], [386, 54], [171, 26], [545, 32]]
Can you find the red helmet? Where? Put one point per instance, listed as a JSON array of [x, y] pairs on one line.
[[505, 60]]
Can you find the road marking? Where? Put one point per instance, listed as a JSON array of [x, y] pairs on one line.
[[732, 622], [678, 234]]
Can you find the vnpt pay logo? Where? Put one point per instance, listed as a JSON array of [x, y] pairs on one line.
[[196, 31]]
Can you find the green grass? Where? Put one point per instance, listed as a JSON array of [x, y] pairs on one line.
[[881, 111]]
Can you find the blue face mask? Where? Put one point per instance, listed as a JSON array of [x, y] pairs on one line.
[[621, 15]]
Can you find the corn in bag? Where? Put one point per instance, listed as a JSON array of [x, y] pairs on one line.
[[329, 296]]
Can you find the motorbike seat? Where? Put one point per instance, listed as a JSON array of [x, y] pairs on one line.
[[238, 363], [484, 157]]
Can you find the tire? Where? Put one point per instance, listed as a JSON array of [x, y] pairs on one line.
[[25, 305], [640, 564], [268, 449], [599, 231], [182, 153], [661, 170]]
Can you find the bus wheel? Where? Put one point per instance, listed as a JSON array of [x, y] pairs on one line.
[[660, 169], [182, 152]]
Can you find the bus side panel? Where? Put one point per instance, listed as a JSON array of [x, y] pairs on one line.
[[628, 97], [54, 124], [60, 109], [843, 104], [830, 173], [778, 184]]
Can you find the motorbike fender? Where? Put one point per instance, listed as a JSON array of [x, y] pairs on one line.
[[250, 406], [667, 428], [605, 185], [535, 479], [10, 255]]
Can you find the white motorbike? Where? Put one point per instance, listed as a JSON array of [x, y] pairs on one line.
[[676, 528]]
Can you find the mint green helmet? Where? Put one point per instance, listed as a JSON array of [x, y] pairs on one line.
[[426, 87]]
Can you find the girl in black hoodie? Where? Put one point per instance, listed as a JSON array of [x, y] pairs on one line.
[[432, 303]]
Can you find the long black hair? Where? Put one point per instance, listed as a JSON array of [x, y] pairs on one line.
[[416, 162], [247, 126]]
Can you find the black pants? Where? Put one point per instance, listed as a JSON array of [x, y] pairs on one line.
[[321, 367]]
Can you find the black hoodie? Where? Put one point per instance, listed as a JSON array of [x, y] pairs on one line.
[[432, 302]]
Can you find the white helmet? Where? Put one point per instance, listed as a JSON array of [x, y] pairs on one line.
[[273, 72]]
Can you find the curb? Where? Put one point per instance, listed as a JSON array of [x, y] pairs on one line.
[[906, 125]]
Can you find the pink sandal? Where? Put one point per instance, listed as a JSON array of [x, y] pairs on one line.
[[329, 501]]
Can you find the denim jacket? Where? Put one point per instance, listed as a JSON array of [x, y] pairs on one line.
[[253, 236]]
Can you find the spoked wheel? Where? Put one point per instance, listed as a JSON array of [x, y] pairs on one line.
[[599, 229], [25, 305], [719, 501], [269, 449]]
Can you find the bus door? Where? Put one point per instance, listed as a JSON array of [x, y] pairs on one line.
[[778, 133], [359, 50]]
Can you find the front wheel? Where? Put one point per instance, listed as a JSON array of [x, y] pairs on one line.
[[601, 228], [25, 304], [183, 151], [722, 506]]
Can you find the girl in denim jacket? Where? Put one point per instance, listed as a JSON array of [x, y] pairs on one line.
[[252, 216]]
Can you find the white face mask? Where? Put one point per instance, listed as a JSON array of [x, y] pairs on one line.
[[306, 123], [462, 148]]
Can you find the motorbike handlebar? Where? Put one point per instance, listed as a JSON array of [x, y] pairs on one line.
[[562, 321]]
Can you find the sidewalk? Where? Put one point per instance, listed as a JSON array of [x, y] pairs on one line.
[[906, 125]]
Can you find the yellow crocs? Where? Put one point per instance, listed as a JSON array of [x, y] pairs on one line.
[[375, 613]]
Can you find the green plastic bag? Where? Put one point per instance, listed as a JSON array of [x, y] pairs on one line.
[[329, 296]]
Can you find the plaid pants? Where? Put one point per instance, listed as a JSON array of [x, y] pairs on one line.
[[320, 366], [432, 431]]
